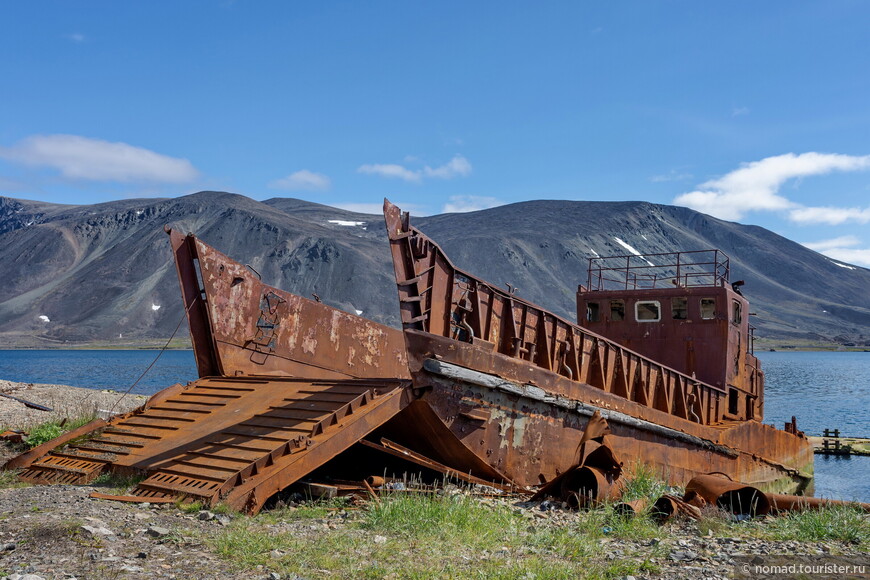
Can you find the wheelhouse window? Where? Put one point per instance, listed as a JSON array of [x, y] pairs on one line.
[[679, 308], [593, 313], [736, 312], [708, 308], [617, 310], [647, 311]]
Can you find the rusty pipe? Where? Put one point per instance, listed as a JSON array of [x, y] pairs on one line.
[[797, 503], [631, 508], [586, 486], [375, 480], [731, 496], [669, 506]]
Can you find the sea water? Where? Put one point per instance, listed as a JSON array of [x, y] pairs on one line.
[[824, 390]]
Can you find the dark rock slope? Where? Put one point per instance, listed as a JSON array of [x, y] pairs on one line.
[[94, 273]]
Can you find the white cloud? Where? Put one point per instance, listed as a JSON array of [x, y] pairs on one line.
[[459, 166], [671, 175], [830, 215], [76, 37], [456, 167], [466, 203], [375, 208], [858, 256], [391, 170], [842, 249], [97, 160], [738, 111], [841, 242], [302, 180], [755, 186], [378, 209]]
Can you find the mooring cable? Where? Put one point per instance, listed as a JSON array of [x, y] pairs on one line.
[[159, 354]]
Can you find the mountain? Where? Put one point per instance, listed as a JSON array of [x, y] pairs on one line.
[[99, 272]]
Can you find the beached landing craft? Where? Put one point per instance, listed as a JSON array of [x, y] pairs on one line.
[[667, 362], [481, 385]]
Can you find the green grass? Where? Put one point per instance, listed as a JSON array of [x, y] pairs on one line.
[[188, 507], [837, 523], [45, 432], [9, 479], [426, 536], [119, 484], [641, 481], [830, 524]]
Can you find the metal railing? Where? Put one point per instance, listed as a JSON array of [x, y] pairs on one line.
[[666, 270]]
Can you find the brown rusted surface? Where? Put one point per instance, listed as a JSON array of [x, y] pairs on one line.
[[517, 384], [13, 436], [236, 440], [403, 452], [250, 426], [631, 508], [669, 506], [681, 310], [731, 496], [797, 503], [594, 476], [244, 327]]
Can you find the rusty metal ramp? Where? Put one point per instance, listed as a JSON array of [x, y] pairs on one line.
[[231, 440]]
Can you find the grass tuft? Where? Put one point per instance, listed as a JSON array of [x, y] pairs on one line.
[[45, 432], [839, 523], [641, 481], [464, 519]]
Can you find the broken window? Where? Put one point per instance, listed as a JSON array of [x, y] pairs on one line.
[[708, 308], [617, 310], [679, 308], [592, 312], [647, 311], [736, 312]]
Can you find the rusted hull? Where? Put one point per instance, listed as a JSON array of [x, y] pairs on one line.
[[532, 440], [516, 384], [241, 326]]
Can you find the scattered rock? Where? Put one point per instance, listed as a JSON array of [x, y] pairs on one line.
[[157, 531], [98, 530]]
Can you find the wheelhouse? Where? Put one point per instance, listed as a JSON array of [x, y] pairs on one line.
[[681, 310]]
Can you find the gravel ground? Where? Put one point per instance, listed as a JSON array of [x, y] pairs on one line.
[[66, 402], [59, 532]]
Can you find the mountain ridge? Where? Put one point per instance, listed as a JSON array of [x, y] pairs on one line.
[[97, 272]]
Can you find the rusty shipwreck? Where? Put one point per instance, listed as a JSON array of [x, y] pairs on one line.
[[479, 383]]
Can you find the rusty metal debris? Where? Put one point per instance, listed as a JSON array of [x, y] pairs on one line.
[[13, 436], [479, 385], [734, 497], [26, 403], [592, 478]]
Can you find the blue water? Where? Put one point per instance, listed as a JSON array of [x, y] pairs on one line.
[[822, 389], [99, 369]]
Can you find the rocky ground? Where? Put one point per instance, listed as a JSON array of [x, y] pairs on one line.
[[60, 532], [65, 402]]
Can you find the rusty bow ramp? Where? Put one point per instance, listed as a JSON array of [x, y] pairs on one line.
[[231, 440]]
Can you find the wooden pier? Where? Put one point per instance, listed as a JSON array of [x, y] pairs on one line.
[[831, 443]]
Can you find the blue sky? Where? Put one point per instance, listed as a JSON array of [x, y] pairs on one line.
[[757, 112]]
